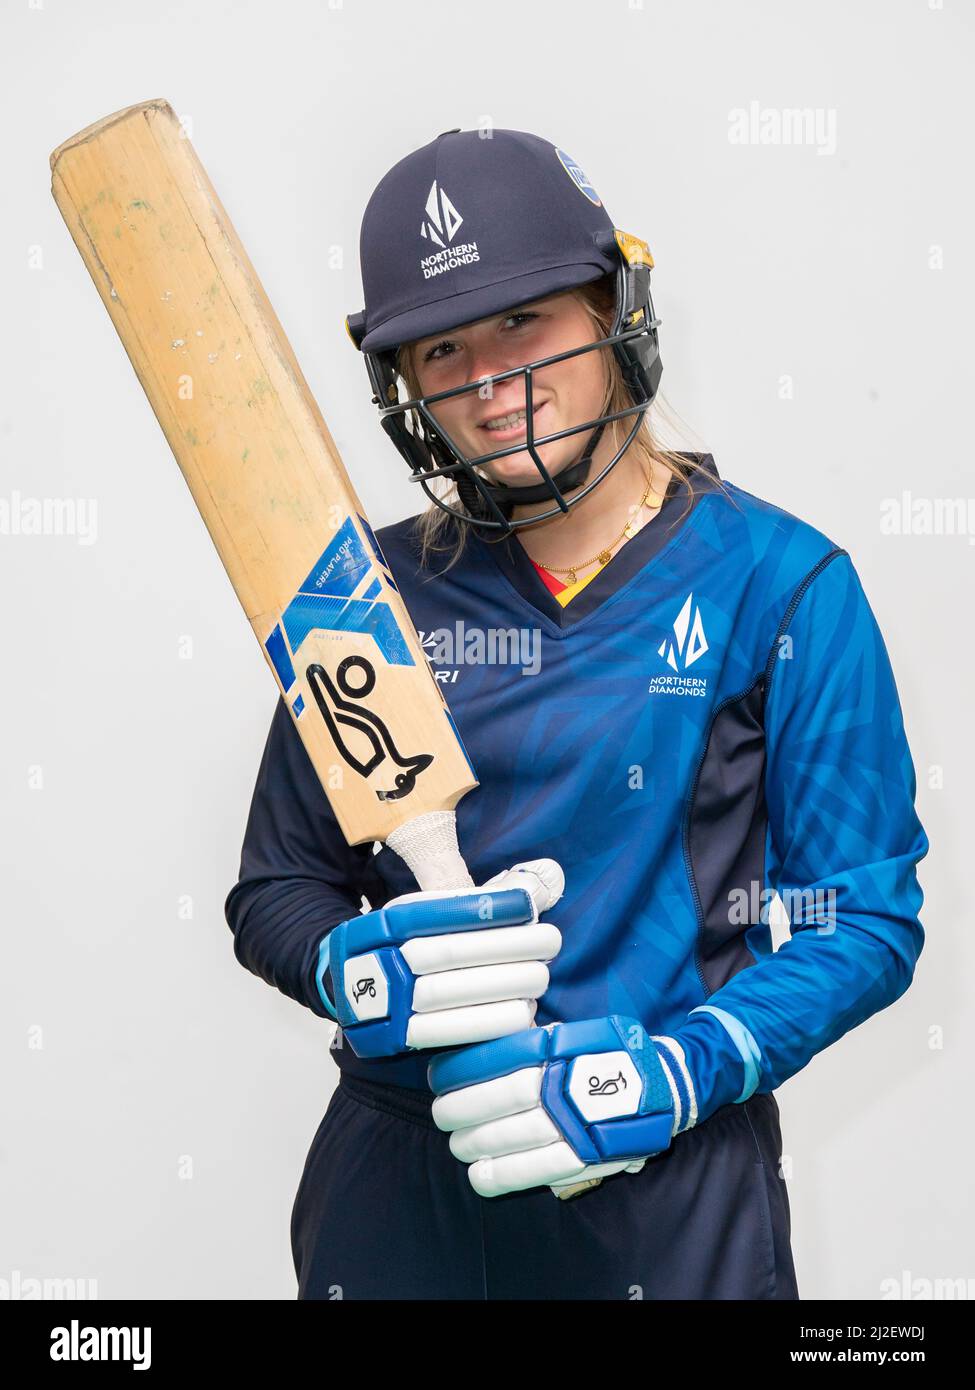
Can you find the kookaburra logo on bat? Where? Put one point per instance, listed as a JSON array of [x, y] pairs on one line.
[[341, 705]]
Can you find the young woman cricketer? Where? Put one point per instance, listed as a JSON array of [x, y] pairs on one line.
[[692, 707]]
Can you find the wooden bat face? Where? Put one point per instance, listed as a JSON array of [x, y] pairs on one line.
[[251, 442]]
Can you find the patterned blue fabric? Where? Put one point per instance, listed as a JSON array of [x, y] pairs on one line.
[[713, 716]]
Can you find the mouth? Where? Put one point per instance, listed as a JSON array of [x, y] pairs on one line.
[[510, 426]]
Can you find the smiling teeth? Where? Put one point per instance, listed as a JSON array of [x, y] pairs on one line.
[[505, 422]]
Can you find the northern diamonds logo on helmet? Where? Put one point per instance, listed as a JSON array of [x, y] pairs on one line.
[[443, 219], [441, 225]]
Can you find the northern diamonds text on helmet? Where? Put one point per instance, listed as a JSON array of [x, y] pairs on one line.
[[449, 259], [440, 225]]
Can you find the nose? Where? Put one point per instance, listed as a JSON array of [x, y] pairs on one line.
[[489, 363]]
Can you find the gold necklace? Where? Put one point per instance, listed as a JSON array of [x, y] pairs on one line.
[[605, 555]]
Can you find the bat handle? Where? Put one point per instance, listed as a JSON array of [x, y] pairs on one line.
[[428, 844]]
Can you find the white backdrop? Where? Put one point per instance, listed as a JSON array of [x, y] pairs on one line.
[[157, 1101]]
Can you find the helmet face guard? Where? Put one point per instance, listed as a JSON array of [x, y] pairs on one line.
[[431, 453]]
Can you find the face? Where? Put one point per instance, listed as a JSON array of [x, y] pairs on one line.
[[564, 394]]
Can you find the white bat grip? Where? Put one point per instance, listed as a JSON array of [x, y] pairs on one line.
[[428, 844]]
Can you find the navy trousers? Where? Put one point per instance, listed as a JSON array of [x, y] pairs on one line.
[[385, 1211]]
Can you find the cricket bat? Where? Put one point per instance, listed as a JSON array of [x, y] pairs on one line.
[[267, 478]]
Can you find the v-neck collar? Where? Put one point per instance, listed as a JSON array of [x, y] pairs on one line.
[[515, 565]]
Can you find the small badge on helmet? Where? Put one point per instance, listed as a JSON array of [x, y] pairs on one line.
[[578, 177]]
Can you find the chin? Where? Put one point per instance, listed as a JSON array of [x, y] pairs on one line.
[[520, 470]]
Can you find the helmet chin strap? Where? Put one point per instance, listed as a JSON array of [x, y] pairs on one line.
[[572, 476]]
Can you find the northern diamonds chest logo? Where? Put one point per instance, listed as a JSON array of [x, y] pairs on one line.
[[680, 649], [440, 224], [688, 643]]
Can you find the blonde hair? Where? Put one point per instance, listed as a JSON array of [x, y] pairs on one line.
[[438, 532]]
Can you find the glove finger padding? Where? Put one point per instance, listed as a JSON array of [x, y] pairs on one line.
[[435, 969], [568, 1100]]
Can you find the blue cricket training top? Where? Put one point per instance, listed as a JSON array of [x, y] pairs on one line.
[[712, 717]]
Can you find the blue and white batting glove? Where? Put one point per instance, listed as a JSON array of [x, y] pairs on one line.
[[562, 1104], [434, 969]]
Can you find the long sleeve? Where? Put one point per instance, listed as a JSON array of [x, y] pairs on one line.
[[842, 846], [298, 877]]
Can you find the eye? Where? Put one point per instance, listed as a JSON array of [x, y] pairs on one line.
[[525, 314], [435, 353]]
